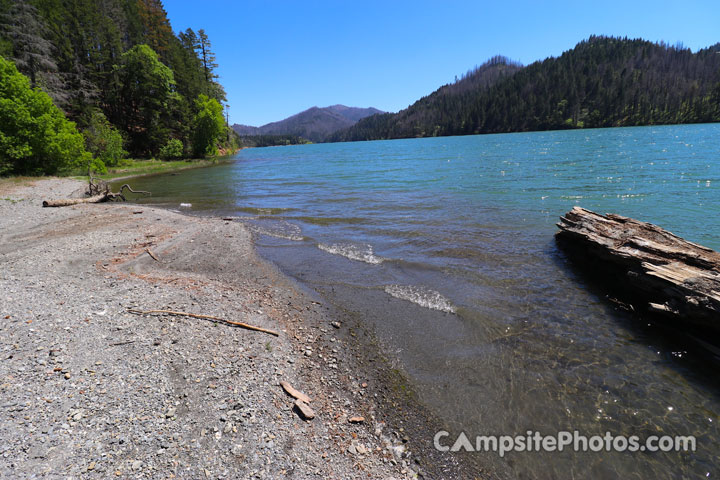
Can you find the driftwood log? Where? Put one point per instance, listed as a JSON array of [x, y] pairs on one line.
[[654, 270], [98, 191]]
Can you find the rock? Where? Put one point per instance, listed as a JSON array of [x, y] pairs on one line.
[[336, 324], [361, 449], [137, 465], [170, 412], [352, 449], [237, 450], [67, 375], [397, 451], [356, 419], [294, 393], [304, 409]]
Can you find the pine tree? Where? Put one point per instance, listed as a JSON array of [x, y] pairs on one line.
[[207, 56], [31, 50]]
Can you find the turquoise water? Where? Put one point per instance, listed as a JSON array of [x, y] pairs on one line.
[[444, 246]]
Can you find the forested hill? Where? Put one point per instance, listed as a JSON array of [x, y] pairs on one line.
[[602, 82], [314, 124], [117, 64]]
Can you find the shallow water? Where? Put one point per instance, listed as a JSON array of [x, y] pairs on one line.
[[445, 246]]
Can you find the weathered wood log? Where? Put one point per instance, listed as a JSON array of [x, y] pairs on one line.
[[95, 197], [65, 202], [656, 271]]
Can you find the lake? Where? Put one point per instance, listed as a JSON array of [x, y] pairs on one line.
[[444, 247]]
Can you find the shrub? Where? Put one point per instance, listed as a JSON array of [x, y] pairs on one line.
[[104, 141], [172, 150]]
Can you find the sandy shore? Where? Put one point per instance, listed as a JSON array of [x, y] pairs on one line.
[[90, 390]]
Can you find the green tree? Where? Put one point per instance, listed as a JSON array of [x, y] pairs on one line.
[[207, 59], [35, 136], [172, 150], [209, 125], [207, 56], [144, 97], [104, 141]]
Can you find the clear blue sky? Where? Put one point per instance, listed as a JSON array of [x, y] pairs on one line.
[[278, 58]]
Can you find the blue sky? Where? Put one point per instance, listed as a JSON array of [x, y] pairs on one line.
[[278, 58]]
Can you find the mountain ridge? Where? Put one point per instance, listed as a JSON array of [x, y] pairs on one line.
[[315, 124], [601, 82]]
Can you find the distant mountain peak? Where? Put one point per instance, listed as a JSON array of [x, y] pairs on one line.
[[315, 123], [601, 82]]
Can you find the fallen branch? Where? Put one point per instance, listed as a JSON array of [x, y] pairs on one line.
[[65, 202], [97, 192], [149, 252], [205, 317]]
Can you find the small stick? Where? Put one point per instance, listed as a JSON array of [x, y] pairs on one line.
[[206, 317], [149, 252], [121, 343]]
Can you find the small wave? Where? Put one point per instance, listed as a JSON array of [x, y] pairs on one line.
[[284, 230], [264, 211], [361, 253], [421, 296], [325, 221]]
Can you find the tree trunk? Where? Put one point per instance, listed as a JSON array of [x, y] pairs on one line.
[[656, 271], [64, 202]]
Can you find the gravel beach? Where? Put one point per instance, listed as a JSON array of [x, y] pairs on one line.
[[91, 390]]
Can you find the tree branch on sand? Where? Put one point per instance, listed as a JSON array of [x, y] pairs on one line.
[[98, 191]]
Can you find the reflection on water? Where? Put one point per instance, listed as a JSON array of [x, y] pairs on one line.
[[446, 247]]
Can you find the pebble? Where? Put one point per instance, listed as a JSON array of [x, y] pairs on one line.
[[306, 412], [121, 415]]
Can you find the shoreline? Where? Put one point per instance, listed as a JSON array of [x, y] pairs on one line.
[[188, 165], [211, 402]]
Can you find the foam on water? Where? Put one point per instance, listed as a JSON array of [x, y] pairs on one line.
[[422, 296], [361, 253], [284, 230]]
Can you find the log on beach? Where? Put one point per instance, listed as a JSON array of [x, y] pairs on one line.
[[65, 202], [97, 192], [655, 271]]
